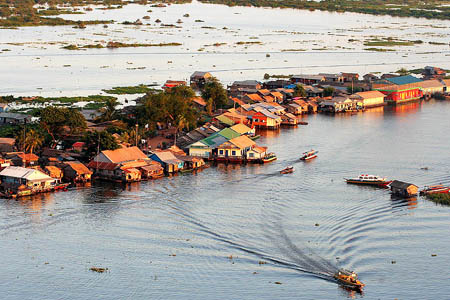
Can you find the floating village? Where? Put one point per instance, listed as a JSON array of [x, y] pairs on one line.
[[228, 135]]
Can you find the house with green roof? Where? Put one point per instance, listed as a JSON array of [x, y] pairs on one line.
[[204, 148], [229, 133]]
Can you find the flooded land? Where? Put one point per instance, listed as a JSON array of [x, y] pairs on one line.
[[233, 43]]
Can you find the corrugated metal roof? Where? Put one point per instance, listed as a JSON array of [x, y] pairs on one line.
[[229, 133], [241, 128], [400, 80], [19, 172], [124, 154], [225, 120]]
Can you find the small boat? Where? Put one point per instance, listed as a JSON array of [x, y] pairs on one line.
[[349, 279], [269, 157], [309, 155], [435, 189], [303, 123], [254, 137], [287, 170], [369, 180]]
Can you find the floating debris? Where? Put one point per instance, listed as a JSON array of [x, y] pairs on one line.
[[98, 270]]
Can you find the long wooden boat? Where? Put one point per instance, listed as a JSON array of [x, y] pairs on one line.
[[254, 137], [309, 155], [269, 157], [287, 170], [303, 123], [369, 180], [349, 279], [435, 189]]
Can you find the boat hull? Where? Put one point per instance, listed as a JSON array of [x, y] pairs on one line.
[[353, 285], [380, 183]]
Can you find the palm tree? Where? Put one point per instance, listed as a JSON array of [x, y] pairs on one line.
[[109, 111], [32, 140]]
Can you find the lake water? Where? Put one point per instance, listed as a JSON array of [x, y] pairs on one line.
[[36, 65], [232, 232]]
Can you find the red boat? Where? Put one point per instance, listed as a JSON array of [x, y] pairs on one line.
[[287, 170], [435, 189], [309, 155]]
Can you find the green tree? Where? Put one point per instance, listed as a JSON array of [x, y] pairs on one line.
[[328, 91], [99, 141], [402, 72], [109, 111], [214, 90], [53, 119], [299, 91]]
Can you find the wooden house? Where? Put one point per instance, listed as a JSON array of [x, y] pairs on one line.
[[7, 144], [256, 154], [307, 79], [312, 106], [168, 160], [198, 79], [303, 105], [22, 181], [22, 159], [350, 77], [54, 172], [332, 77], [265, 119], [14, 118], [403, 189], [289, 119], [294, 108], [75, 171], [152, 171], [234, 150], [431, 87], [336, 104], [369, 99]]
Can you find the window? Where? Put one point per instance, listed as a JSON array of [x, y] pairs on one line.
[[251, 154], [233, 152], [221, 152]]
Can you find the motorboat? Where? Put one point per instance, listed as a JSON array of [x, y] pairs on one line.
[[369, 180], [309, 155], [349, 279], [287, 170], [269, 157], [435, 189]]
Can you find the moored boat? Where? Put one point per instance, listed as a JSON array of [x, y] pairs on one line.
[[287, 170], [435, 189], [269, 157], [303, 123], [369, 180], [349, 279], [309, 155]]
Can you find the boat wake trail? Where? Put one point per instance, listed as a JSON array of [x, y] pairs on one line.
[[304, 258], [285, 254]]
